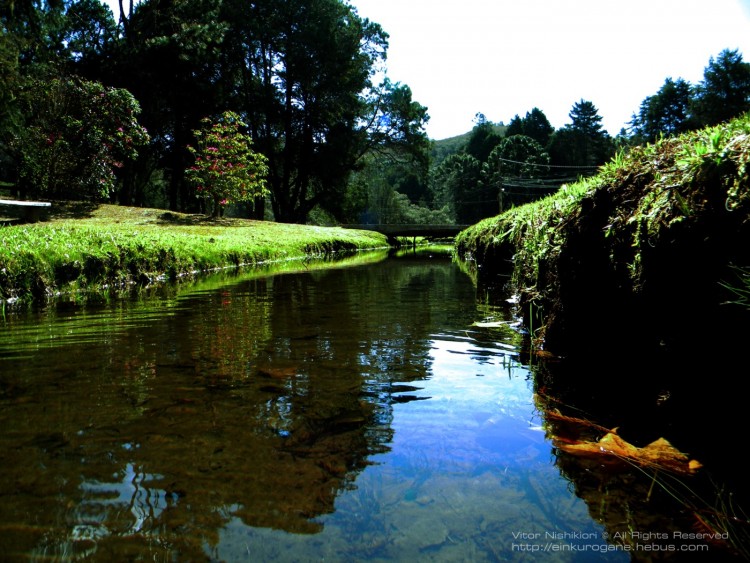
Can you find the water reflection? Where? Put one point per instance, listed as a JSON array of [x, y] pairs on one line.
[[656, 511], [344, 413]]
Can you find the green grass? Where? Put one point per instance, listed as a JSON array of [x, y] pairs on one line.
[[641, 205], [85, 247], [527, 232]]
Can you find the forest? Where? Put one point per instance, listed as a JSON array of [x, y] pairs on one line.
[[281, 111]]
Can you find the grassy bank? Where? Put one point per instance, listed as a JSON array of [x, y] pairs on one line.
[[655, 244], [85, 246]]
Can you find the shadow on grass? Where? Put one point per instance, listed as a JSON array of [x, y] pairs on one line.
[[72, 209], [175, 218]]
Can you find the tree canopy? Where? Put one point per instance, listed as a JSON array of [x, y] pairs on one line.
[[534, 124], [308, 79], [582, 142], [305, 75], [665, 113], [724, 92], [483, 138], [678, 106]]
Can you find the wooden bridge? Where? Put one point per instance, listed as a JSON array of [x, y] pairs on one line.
[[393, 231]]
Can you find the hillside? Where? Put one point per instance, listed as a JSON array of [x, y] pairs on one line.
[[445, 147]]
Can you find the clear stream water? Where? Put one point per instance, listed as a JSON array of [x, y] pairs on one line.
[[370, 411]]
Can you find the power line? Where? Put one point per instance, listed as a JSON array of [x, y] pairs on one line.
[[547, 165]]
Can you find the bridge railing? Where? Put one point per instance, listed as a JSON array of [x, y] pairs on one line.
[[411, 230]]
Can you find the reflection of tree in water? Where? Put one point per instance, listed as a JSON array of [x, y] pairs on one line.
[[262, 401], [643, 504]]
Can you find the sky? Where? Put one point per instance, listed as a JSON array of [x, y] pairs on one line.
[[503, 58]]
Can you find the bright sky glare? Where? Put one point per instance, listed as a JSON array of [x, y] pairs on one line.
[[505, 57]]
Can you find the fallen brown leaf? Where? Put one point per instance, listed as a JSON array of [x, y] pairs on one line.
[[659, 453]]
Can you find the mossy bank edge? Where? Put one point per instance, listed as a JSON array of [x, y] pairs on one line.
[[650, 253]]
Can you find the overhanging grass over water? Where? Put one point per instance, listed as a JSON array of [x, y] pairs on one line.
[[109, 245], [659, 227]]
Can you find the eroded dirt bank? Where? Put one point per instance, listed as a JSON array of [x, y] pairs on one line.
[[647, 255]]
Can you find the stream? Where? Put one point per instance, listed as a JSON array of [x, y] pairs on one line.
[[375, 409]]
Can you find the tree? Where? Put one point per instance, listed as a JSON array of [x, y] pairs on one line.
[[376, 190], [535, 125], [515, 126], [305, 70], [585, 118], [227, 170], [515, 159], [517, 156], [76, 134], [724, 92], [395, 123], [90, 35], [483, 138], [456, 187], [10, 117], [665, 113], [583, 142], [9, 90], [169, 59], [38, 31], [396, 146], [301, 73], [378, 201], [406, 212]]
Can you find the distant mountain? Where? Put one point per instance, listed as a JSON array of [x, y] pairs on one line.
[[446, 147]]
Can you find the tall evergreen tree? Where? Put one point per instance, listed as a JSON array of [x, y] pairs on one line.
[[724, 92], [483, 138], [169, 60], [664, 113], [585, 119], [535, 125], [456, 187], [90, 36], [515, 126], [583, 142]]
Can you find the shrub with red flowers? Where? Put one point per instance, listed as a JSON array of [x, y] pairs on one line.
[[77, 132], [226, 169]]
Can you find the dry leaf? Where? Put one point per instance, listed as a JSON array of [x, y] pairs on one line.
[[659, 453]]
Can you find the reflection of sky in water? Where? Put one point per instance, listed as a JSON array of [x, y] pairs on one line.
[[139, 502], [468, 471], [126, 504], [479, 413]]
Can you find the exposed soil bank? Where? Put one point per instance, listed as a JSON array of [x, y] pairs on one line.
[[638, 257]]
